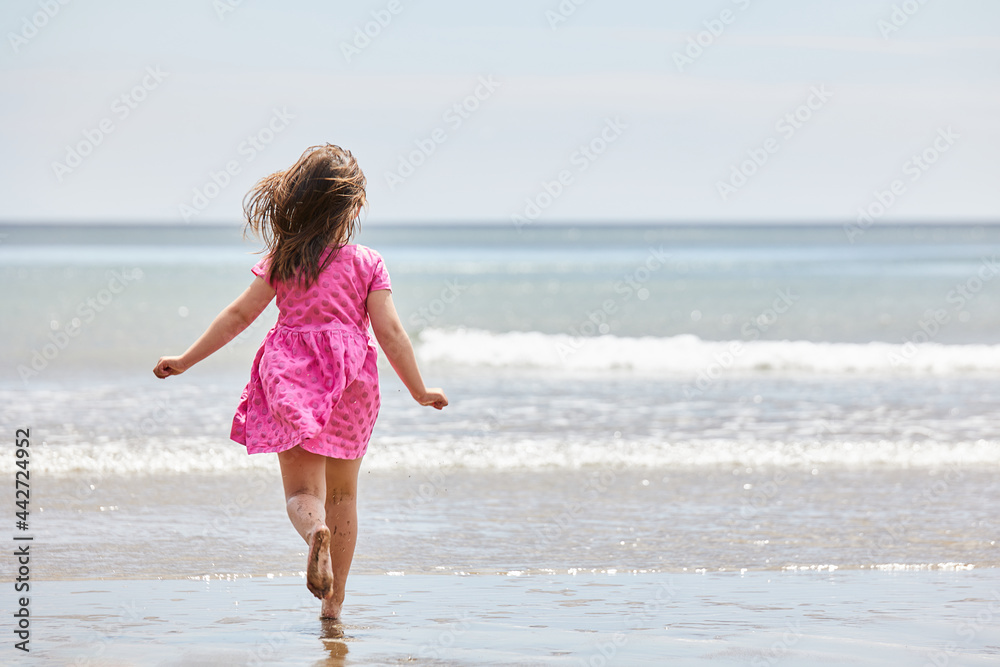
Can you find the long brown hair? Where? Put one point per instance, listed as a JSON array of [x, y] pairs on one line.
[[300, 212]]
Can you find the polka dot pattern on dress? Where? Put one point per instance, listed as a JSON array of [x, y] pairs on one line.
[[314, 381]]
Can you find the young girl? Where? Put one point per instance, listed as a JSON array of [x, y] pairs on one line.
[[313, 393]]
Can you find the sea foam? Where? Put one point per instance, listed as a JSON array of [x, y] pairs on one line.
[[692, 356], [437, 455]]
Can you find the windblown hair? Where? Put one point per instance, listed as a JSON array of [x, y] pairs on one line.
[[299, 212]]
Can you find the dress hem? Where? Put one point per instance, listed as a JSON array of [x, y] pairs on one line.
[[304, 444]]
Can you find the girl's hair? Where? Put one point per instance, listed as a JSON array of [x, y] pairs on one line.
[[301, 211]]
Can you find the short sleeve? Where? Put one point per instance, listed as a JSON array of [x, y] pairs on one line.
[[260, 269], [380, 275]]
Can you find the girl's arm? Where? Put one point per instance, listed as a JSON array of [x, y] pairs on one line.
[[396, 345], [228, 324]]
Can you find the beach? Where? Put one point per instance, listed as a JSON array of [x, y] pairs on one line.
[[665, 445], [773, 618]]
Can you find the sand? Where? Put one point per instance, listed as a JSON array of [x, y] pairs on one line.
[[855, 617]]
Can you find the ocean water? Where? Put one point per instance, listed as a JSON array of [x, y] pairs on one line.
[[650, 399]]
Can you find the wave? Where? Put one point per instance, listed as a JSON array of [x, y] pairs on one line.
[[688, 355], [438, 455]]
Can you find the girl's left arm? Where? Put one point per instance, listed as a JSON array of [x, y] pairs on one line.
[[234, 318]]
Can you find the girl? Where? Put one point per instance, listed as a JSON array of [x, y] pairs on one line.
[[313, 393]]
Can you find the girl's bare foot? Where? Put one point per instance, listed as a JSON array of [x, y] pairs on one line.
[[331, 610], [319, 573]]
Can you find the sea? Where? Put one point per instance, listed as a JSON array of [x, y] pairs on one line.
[[624, 398]]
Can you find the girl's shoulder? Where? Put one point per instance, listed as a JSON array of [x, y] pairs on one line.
[[371, 266], [362, 252], [362, 249]]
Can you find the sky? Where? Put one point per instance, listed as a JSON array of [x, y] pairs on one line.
[[521, 112]]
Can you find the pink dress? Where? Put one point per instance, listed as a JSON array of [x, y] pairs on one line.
[[314, 382]]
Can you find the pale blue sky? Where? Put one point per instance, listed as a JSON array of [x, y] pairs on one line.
[[678, 133]]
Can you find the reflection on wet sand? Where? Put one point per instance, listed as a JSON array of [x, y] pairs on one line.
[[334, 641]]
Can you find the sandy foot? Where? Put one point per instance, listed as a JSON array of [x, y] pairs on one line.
[[319, 572]]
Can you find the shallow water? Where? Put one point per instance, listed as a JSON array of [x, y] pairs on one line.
[[796, 619], [588, 520]]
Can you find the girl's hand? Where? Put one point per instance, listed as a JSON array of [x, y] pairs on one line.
[[167, 366], [435, 398]]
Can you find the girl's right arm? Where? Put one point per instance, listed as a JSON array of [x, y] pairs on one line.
[[396, 344], [228, 324]]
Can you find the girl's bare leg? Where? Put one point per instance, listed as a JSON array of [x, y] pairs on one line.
[[342, 518], [303, 476]]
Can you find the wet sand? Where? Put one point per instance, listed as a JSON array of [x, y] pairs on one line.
[[756, 618], [466, 522]]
